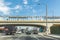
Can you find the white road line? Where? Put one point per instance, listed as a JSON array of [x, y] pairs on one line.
[[34, 36], [5, 36]]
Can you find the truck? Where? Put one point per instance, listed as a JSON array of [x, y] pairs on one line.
[[10, 30]]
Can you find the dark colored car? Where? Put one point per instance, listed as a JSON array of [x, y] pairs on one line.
[[28, 32], [22, 30], [10, 30], [35, 32]]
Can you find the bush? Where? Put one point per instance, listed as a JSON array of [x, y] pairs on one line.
[[55, 29]]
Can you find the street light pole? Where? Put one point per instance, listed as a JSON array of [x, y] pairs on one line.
[[46, 20]]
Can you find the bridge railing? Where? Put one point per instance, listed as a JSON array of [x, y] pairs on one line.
[[27, 18]]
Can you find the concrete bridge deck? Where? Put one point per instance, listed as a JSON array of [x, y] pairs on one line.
[[25, 21]]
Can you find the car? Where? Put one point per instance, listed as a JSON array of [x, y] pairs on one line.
[[19, 32], [28, 32], [35, 32]]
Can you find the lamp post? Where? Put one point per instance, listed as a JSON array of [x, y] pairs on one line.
[[46, 20], [47, 26]]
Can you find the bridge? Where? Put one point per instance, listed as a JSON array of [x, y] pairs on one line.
[[37, 21]]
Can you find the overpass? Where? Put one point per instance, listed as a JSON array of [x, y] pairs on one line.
[[27, 22]]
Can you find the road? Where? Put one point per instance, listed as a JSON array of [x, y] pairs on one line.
[[26, 37]]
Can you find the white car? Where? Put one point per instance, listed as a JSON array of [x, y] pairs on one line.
[[19, 32]]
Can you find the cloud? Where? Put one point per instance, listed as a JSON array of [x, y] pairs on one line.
[[3, 8], [8, 3], [18, 7], [25, 1]]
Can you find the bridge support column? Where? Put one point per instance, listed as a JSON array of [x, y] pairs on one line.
[[48, 29]]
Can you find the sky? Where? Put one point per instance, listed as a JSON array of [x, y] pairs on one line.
[[29, 7]]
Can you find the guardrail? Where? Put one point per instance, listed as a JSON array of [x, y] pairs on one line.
[[16, 18]]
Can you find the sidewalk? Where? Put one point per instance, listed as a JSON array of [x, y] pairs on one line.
[[52, 35]]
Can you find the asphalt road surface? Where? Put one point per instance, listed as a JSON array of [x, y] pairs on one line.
[[26, 37]]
